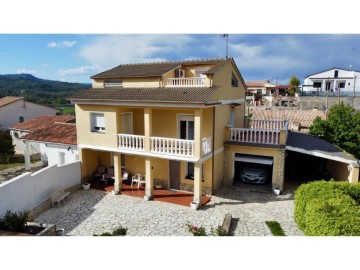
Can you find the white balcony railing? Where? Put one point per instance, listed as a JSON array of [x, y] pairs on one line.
[[131, 142], [206, 145], [184, 82], [175, 147], [254, 135], [268, 124]]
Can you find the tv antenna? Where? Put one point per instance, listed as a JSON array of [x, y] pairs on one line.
[[226, 36]]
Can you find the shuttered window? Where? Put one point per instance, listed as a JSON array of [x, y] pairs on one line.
[[97, 122], [126, 126]]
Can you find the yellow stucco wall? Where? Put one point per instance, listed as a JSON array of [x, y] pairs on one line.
[[131, 82], [338, 170], [222, 118], [218, 170]]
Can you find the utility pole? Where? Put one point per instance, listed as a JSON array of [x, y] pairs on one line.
[[226, 36]]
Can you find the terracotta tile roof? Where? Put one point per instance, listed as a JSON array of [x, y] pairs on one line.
[[8, 99], [156, 95], [255, 84], [42, 122], [312, 143], [62, 133], [151, 69], [304, 117]]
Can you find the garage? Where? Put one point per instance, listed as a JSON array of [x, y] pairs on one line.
[[253, 169]]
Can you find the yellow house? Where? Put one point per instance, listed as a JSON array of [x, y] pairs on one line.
[[181, 124]]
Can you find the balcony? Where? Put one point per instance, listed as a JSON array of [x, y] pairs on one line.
[[260, 132], [164, 147], [185, 82]]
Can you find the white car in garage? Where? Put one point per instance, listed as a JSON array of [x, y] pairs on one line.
[[252, 174]]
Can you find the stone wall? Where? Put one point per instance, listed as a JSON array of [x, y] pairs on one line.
[[190, 188], [281, 170], [320, 102]]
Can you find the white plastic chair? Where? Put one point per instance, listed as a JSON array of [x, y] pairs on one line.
[[142, 181], [136, 179]]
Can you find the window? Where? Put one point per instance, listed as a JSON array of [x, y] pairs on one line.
[[336, 74], [327, 86], [190, 171], [21, 119], [122, 161], [113, 83], [61, 158], [126, 123], [186, 127], [97, 122], [342, 85], [234, 80], [317, 85]]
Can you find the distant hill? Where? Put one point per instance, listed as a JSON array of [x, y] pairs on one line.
[[38, 90]]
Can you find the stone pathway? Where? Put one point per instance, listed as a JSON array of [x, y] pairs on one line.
[[89, 212]]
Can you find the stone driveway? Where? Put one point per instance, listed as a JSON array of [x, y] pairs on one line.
[[89, 212]]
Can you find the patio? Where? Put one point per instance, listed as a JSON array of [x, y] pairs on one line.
[[160, 194]]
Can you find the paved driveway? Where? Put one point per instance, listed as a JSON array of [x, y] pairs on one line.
[[89, 212]]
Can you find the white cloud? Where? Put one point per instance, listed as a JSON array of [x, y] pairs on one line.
[[45, 65], [76, 71], [112, 50], [64, 43], [27, 71]]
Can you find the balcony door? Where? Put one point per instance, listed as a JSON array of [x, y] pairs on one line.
[[186, 127], [126, 123]]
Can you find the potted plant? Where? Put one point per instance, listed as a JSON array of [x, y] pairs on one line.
[[86, 186]]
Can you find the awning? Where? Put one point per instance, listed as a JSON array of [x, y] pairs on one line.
[[254, 159]]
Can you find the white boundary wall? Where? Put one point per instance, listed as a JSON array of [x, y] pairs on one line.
[[28, 191]]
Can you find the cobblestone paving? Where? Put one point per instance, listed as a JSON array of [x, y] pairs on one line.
[[89, 212]]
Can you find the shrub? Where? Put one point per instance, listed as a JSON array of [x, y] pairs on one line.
[[328, 208], [106, 234], [219, 231], [196, 231], [275, 228], [15, 222], [120, 231]]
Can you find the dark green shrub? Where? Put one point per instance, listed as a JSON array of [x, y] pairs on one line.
[[275, 228], [219, 231], [328, 208], [120, 231], [106, 234], [15, 222]]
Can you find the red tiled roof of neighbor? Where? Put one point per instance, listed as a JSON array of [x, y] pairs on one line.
[[8, 99], [284, 86], [304, 117], [255, 84], [62, 133], [42, 122]]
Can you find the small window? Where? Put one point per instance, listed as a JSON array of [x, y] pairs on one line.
[[61, 158], [16, 135], [21, 119], [317, 85], [122, 161], [190, 171], [336, 74], [113, 83], [342, 85], [234, 81], [97, 122]]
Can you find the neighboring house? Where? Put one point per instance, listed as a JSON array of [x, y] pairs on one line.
[[181, 124], [17, 110], [332, 81], [299, 120], [57, 143], [255, 91], [19, 130]]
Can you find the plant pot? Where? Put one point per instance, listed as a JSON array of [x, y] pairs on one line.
[[194, 205], [276, 191], [86, 186]]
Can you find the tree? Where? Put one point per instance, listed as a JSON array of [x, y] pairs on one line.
[[294, 82], [342, 128], [6, 147]]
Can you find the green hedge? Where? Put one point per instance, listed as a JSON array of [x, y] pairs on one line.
[[328, 208]]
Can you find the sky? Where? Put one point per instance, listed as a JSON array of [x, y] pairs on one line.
[[274, 57]]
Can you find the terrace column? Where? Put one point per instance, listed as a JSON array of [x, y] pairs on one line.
[[197, 132], [353, 173], [117, 173], [147, 128], [197, 185], [27, 156], [149, 180], [83, 164]]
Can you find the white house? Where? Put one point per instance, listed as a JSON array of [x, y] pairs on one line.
[[16, 110], [58, 144], [20, 129], [334, 81]]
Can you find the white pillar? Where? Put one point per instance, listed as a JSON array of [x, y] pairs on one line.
[[27, 156], [148, 180], [197, 185], [117, 173]]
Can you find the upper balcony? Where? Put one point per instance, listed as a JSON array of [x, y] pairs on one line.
[[260, 132], [185, 82], [164, 147]]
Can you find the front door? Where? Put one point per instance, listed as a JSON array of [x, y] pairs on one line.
[[174, 169]]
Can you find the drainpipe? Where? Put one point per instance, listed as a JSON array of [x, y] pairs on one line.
[[213, 153]]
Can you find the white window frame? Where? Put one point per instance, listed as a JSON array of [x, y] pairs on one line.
[[184, 117], [187, 168], [113, 83], [131, 121], [93, 127]]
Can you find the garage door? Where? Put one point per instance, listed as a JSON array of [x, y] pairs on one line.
[[254, 159]]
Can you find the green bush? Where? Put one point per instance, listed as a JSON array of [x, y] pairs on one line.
[[120, 231], [328, 208], [14, 222], [275, 228]]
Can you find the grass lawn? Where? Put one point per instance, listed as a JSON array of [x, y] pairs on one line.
[[67, 110], [275, 228], [11, 165]]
